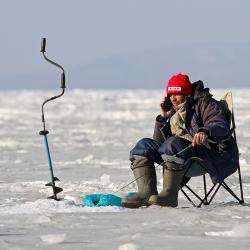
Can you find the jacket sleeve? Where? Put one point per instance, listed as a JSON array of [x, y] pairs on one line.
[[161, 129], [215, 123]]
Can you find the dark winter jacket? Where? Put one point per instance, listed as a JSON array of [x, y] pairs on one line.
[[203, 113]]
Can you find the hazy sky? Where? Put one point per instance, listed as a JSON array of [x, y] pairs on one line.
[[79, 32]]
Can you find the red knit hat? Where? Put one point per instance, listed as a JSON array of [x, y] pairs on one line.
[[179, 84]]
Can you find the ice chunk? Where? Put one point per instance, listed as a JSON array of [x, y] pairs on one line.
[[237, 231], [88, 158], [105, 179], [130, 246], [53, 238]]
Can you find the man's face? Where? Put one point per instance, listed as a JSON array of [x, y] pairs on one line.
[[177, 99]]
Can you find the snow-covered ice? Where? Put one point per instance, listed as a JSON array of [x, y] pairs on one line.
[[91, 134]]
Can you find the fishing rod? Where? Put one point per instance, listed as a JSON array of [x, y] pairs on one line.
[[45, 132], [181, 151]]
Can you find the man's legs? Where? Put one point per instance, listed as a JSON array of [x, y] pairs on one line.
[[148, 148], [142, 157]]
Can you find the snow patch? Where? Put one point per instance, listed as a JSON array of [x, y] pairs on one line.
[[42, 206]]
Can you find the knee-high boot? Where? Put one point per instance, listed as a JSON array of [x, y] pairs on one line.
[[172, 179], [145, 175]]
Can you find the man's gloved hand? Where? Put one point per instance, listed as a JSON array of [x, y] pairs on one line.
[[199, 138]]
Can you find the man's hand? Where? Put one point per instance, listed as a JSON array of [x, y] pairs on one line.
[[199, 138]]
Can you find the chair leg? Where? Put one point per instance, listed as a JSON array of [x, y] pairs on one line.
[[188, 197], [229, 190], [210, 191], [203, 201], [205, 189], [239, 172], [241, 188], [192, 191]]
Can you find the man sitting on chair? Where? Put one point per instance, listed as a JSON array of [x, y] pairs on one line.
[[188, 116]]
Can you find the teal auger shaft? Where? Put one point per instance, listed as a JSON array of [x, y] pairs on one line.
[[49, 158], [55, 189]]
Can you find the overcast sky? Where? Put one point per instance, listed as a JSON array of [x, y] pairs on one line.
[[80, 32]]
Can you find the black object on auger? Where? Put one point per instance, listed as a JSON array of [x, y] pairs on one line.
[[44, 132]]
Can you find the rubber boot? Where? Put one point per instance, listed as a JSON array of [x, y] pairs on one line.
[[172, 179], [145, 175]]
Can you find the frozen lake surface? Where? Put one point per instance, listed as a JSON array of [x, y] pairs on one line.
[[91, 134]]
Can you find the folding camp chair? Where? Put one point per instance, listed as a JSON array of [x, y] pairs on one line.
[[197, 167]]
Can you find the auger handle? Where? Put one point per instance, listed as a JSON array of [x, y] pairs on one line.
[[63, 86], [43, 45]]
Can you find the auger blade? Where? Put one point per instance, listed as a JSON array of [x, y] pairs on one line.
[[54, 197], [57, 189], [50, 183]]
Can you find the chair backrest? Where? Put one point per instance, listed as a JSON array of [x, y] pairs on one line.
[[227, 104]]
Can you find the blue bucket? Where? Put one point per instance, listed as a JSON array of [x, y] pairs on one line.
[[101, 200]]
